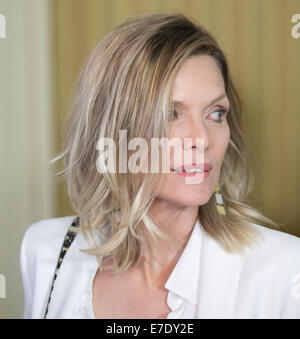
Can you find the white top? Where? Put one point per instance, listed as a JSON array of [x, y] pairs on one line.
[[207, 282]]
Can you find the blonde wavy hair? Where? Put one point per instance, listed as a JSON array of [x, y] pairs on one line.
[[126, 84]]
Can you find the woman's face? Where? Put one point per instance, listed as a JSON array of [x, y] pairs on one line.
[[200, 103]]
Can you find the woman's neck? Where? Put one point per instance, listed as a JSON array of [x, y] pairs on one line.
[[179, 224]]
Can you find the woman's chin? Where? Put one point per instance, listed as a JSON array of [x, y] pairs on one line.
[[189, 201]]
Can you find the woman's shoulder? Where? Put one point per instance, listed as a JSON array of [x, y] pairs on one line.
[[42, 241], [50, 226], [275, 248], [47, 234], [278, 239]]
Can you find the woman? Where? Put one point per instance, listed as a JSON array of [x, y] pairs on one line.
[[155, 245]]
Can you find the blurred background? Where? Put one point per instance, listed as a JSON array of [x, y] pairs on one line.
[[42, 49]]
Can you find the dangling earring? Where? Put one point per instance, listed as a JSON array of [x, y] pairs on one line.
[[219, 200]]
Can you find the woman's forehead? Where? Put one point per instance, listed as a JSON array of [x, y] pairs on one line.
[[200, 74]]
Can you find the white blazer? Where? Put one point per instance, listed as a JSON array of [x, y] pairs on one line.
[[207, 282]]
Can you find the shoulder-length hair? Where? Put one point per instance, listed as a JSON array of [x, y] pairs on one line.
[[126, 84]]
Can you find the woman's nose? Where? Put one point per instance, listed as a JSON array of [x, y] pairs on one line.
[[197, 133]]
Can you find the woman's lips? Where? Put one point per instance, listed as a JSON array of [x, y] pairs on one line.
[[205, 174], [200, 170], [200, 166]]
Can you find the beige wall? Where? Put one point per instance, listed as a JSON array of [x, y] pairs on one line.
[[36, 78]]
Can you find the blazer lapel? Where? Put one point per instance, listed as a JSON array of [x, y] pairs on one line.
[[218, 281]]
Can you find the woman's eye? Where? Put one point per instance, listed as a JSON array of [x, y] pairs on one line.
[[174, 115], [218, 115]]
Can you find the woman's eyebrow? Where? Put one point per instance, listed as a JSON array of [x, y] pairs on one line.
[[220, 97]]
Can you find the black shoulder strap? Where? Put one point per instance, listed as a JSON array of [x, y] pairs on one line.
[[70, 236]]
